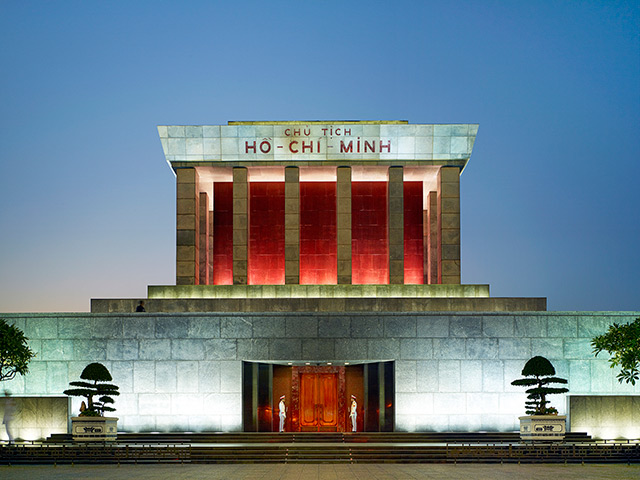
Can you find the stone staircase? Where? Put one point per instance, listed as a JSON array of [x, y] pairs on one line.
[[388, 447]]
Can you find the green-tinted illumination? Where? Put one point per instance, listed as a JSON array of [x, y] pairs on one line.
[[319, 291]]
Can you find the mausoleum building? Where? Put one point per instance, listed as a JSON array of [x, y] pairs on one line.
[[320, 261]]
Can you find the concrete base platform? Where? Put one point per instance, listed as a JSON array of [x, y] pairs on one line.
[[179, 305], [320, 298]]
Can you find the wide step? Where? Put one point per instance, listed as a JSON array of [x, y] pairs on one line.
[[387, 447]]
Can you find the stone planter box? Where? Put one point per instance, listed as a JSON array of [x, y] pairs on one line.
[[91, 429], [543, 428]]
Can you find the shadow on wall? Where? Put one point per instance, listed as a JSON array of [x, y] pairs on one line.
[[34, 418]]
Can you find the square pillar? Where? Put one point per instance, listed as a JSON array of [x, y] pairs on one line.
[[449, 225], [203, 239], [343, 224], [210, 261], [292, 225], [240, 225], [187, 227], [425, 244], [396, 225], [431, 242]]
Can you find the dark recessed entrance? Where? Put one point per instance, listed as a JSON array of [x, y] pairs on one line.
[[318, 397]]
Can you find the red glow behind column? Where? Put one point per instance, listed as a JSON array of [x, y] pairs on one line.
[[223, 233], [318, 243], [413, 234], [266, 233], [369, 239]]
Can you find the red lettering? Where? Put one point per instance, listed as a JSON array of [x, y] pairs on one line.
[[324, 131], [291, 147], [346, 148], [248, 147], [387, 146], [347, 131], [337, 131], [369, 146], [287, 132], [306, 147], [265, 146], [307, 132], [296, 132], [358, 143]]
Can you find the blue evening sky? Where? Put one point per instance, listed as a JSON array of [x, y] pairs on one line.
[[550, 198]]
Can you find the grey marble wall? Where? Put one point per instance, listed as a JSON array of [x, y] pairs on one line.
[[182, 372], [33, 418]]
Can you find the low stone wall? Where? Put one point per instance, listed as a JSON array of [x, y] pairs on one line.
[[34, 418], [320, 305], [183, 371], [606, 416]]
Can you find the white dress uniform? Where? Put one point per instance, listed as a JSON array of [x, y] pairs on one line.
[[354, 414], [283, 414]]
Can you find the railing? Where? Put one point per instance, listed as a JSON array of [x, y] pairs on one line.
[[338, 451], [96, 452]]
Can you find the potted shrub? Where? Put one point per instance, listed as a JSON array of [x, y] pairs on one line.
[[91, 424], [542, 421]]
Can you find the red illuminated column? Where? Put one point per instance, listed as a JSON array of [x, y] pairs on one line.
[[396, 226], [414, 242], [318, 242], [370, 233], [449, 225], [240, 225], [203, 239], [266, 234], [222, 228], [187, 226], [343, 224], [292, 225]]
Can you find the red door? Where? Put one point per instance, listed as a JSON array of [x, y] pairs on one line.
[[319, 402]]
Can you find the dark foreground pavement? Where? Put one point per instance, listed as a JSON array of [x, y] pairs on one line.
[[325, 472]]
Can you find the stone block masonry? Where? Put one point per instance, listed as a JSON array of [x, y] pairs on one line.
[[182, 372]]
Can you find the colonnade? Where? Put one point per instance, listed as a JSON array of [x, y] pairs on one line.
[[195, 232]]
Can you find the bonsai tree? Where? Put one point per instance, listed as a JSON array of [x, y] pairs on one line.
[[96, 386], [539, 373], [622, 342], [15, 354]]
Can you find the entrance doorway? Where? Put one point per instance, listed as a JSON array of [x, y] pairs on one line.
[[318, 397], [318, 402]]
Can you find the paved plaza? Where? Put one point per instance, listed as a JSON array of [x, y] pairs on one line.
[[324, 472]]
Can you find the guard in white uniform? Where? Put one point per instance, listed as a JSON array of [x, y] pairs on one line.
[[354, 413], [282, 411]]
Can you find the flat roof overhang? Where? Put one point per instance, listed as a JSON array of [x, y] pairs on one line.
[[318, 143]]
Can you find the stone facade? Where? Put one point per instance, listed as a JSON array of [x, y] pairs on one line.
[[370, 235], [182, 371]]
